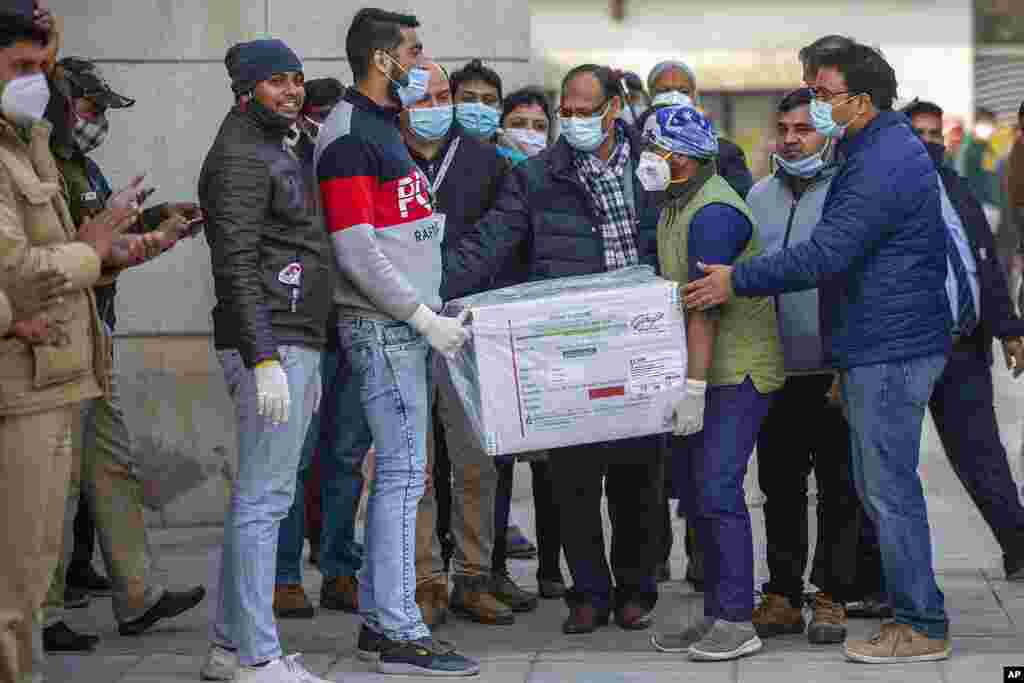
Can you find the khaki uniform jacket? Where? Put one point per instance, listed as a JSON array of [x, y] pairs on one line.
[[36, 232]]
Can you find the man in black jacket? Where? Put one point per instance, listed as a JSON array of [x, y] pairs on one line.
[[577, 209], [962, 403], [270, 261], [464, 173]]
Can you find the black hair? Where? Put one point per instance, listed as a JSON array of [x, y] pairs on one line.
[[1020, 112], [800, 97], [983, 113], [323, 92], [475, 71], [371, 30], [606, 76], [525, 97], [633, 82], [15, 30], [811, 55], [866, 72], [923, 107]]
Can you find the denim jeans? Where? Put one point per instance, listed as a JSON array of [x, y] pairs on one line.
[[339, 436], [709, 468], [391, 362], [268, 463], [885, 405]]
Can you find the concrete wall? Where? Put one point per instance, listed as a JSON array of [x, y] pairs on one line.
[[752, 44], [168, 55]]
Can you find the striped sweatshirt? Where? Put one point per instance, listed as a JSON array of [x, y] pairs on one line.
[[378, 212]]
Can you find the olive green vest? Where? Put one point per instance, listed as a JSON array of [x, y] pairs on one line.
[[747, 343]]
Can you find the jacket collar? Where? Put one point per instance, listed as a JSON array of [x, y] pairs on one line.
[[454, 133], [886, 119]]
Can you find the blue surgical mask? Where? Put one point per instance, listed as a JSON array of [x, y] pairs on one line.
[[431, 123], [477, 118], [804, 168], [672, 98], [410, 89], [821, 118], [584, 135]]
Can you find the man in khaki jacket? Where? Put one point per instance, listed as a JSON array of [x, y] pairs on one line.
[[42, 380]]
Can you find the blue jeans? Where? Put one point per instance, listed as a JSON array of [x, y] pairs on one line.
[[391, 362], [709, 468], [339, 436], [885, 405], [268, 462]]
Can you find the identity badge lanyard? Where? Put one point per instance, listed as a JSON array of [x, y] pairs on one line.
[[445, 165]]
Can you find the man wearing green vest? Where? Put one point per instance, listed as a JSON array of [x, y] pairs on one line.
[[735, 363]]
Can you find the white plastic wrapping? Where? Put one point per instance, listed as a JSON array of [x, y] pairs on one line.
[[570, 361]]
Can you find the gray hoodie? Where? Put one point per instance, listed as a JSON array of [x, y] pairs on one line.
[[785, 220]]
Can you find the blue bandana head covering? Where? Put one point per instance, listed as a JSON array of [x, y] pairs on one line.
[[682, 130]]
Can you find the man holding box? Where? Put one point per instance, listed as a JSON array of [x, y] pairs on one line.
[[578, 209]]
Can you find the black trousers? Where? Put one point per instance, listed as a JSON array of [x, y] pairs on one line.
[[84, 542], [804, 432], [629, 473], [549, 535]]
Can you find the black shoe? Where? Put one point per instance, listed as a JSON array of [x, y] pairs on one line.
[[60, 638], [76, 598], [170, 605], [370, 644], [506, 590], [425, 657], [551, 589], [91, 581]]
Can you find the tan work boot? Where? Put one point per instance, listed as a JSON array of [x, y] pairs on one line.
[[290, 602], [828, 625], [432, 598], [775, 616], [897, 644], [340, 593], [473, 600]]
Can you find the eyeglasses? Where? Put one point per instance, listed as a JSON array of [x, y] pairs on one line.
[[824, 95], [601, 110]]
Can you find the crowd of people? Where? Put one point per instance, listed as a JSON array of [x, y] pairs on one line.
[[828, 305]]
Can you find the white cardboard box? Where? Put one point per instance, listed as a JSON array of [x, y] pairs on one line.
[[571, 361]]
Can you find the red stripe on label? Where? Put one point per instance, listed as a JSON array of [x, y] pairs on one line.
[[607, 392], [348, 201]]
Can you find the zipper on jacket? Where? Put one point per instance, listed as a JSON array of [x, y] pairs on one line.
[[789, 224]]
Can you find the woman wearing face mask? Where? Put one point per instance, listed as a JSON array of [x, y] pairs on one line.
[[674, 84], [476, 91], [735, 363], [525, 125]]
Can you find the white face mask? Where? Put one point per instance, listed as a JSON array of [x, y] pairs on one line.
[[672, 98], [532, 142], [24, 99], [654, 172]]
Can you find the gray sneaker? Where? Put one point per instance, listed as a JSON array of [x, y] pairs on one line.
[[726, 640], [681, 642]]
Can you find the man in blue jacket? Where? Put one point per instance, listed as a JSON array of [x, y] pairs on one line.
[[878, 257], [578, 208]]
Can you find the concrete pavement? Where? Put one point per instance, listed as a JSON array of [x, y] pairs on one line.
[[987, 613]]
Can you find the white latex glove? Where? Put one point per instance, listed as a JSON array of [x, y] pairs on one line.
[[272, 399], [445, 335], [689, 410]]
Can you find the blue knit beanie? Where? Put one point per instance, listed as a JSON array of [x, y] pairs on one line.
[[258, 60]]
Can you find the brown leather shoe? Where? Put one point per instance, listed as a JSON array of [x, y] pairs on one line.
[[290, 602], [633, 617], [584, 619], [897, 644], [340, 594], [432, 598], [775, 616], [828, 626], [471, 599]]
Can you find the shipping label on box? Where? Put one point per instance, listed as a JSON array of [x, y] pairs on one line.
[[577, 365]]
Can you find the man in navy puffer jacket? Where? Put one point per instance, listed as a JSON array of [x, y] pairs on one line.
[[878, 258]]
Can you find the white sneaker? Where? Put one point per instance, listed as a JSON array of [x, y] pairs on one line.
[[284, 670], [220, 665]]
